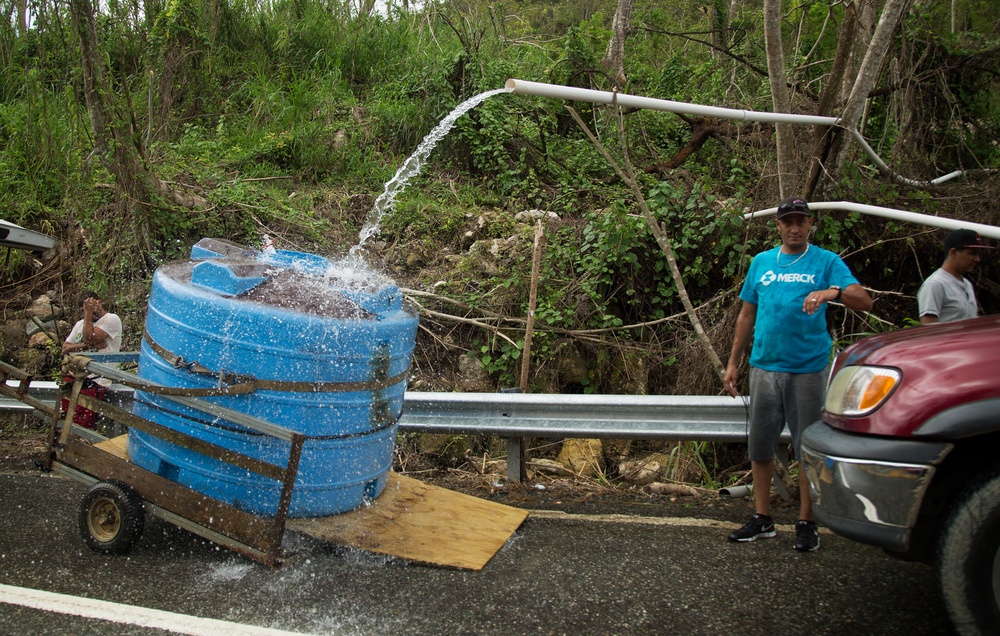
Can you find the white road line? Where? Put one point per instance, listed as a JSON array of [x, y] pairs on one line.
[[619, 518], [130, 614], [687, 522]]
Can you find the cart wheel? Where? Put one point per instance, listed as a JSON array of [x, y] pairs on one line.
[[111, 517]]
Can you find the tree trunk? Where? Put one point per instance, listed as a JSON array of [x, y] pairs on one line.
[[614, 59], [834, 153], [871, 66], [779, 96], [117, 145], [22, 17], [702, 131], [169, 64], [112, 139], [180, 53], [717, 27], [832, 97]]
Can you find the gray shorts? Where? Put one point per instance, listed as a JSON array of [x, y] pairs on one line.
[[777, 398]]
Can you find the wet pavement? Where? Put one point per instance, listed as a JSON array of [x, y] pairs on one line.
[[561, 573]]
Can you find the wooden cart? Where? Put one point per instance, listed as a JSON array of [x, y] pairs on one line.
[[410, 519]]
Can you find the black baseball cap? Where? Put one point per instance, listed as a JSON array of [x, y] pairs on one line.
[[793, 205], [962, 239]]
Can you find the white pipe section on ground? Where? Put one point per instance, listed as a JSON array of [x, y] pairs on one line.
[[990, 231]]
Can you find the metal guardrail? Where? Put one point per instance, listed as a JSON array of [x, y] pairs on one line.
[[672, 417], [515, 416]]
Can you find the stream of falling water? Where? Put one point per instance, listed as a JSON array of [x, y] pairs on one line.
[[413, 165]]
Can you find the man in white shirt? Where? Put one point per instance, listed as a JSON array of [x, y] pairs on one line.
[[98, 330], [947, 295]]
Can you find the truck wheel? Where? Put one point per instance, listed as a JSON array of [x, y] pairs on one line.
[[969, 559], [111, 517]]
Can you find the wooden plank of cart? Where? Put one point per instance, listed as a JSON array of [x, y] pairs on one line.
[[410, 519]]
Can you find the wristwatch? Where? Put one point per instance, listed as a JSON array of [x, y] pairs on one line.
[[840, 290]]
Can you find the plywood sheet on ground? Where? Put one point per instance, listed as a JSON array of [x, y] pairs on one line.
[[423, 523]]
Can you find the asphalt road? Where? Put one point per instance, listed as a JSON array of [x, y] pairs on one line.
[[560, 574]]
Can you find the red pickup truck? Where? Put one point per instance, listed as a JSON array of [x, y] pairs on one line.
[[907, 456]]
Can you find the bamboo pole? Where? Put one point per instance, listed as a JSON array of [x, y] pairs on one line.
[[514, 446]]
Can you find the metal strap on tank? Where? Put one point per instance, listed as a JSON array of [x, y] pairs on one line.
[[218, 423], [231, 383]]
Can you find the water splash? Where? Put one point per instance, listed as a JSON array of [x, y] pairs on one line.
[[413, 165], [354, 274]]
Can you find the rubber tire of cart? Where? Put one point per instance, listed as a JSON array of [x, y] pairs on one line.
[[969, 558], [111, 517]]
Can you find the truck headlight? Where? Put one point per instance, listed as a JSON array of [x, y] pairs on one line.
[[859, 390]]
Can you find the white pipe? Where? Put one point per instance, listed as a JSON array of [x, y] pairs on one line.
[[522, 87], [736, 492], [990, 231], [947, 177], [571, 93]]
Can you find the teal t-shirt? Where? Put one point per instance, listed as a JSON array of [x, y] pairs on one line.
[[787, 339]]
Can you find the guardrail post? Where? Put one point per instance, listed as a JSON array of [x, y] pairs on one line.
[[516, 468], [515, 460]]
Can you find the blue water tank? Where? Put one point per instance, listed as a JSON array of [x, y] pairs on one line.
[[330, 347]]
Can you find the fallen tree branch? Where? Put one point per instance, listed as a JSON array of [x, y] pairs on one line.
[[469, 321], [543, 327]]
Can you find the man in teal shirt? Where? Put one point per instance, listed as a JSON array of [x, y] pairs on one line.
[[783, 295]]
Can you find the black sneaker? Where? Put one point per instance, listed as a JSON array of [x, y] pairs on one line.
[[759, 527], [806, 536]]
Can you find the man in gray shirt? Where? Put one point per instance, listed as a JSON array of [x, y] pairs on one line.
[[947, 294]]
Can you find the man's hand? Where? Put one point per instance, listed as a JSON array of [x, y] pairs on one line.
[[817, 299], [730, 379], [72, 347], [744, 328], [92, 306]]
